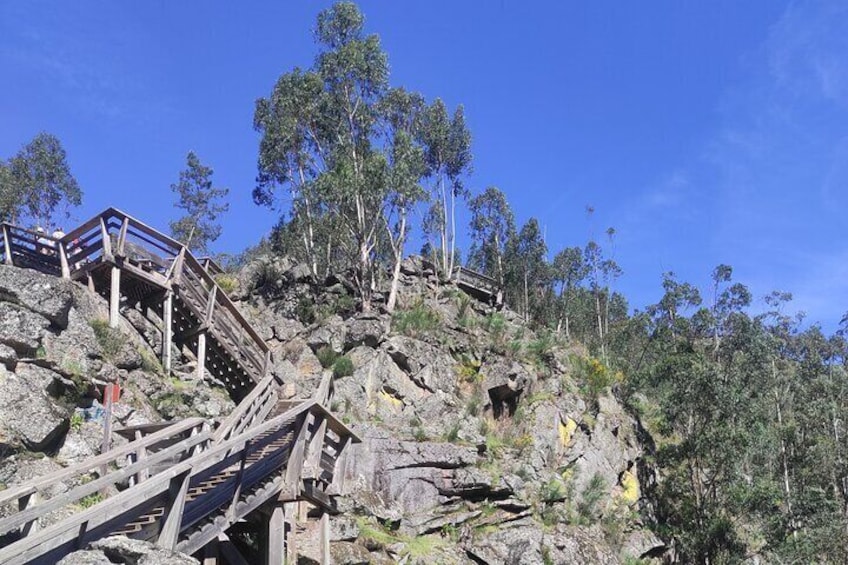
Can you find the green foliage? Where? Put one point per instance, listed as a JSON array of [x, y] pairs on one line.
[[342, 367], [452, 435], [77, 421], [468, 370], [595, 491], [202, 204], [420, 320], [495, 324], [327, 356], [227, 282], [149, 362], [474, 404], [595, 376], [541, 349], [111, 340], [90, 500], [36, 182]]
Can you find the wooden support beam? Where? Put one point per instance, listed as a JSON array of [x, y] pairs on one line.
[[276, 550], [167, 330], [325, 539], [106, 243], [7, 246], [290, 511], [173, 517], [114, 297], [201, 354], [63, 260], [122, 238]]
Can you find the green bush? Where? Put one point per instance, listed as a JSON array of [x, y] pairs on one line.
[[343, 367], [326, 356], [417, 321], [76, 421], [590, 497]]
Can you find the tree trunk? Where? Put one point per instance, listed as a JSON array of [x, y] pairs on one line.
[[398, 249]]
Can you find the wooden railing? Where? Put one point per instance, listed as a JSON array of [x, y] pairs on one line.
[[31, 502], [120, 239], [224, 481]]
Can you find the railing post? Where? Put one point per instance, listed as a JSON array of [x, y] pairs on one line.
[[107, 243], [167, 330], [114, 297], [122, 237], [201, 353], [325, 539], [7, 247], [24, 503], [63, 260], [276, 552]]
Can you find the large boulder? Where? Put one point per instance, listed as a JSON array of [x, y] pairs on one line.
[[428, 366], [47, 296], [120, 549], [28, 415], [364, 329], [21, 329]]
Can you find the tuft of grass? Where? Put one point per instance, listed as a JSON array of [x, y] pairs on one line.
[[326, 356], [468, 370], [420, 320], [342, 367], [589, 499], [110, 339], [452, 435], [541, 349], [90, 500], [149, 362], [495, 324], [227, 282], [76, 421]]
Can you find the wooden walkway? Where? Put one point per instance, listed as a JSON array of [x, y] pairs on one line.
[[185, 484]]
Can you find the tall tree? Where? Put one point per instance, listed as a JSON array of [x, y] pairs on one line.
[[36, 184], [448, 149], [492, 225], [567, 272], [407, 167], [202, 203]]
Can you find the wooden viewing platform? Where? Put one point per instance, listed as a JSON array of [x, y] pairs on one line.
[[183, 484]]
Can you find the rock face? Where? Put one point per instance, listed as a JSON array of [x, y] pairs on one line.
[[119, 549], [478, 444]]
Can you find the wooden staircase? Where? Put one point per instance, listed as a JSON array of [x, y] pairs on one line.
[[185, 484]]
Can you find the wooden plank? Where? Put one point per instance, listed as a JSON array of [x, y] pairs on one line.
[[173, 517]]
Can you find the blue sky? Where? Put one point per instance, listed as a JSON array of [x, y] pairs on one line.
[[705, 133]]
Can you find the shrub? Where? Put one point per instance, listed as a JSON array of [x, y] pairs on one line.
[[495, 324], [452, 435], [541, 349], [591, 496], [342, 367], [597, 376], [226, 282], [469, 370], [326, 356], [417, 321], [305, 311], [110, 339]]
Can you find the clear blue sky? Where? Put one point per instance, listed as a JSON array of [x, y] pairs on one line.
[[704, 132]]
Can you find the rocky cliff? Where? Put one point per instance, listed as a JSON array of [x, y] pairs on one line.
[[483, 442]]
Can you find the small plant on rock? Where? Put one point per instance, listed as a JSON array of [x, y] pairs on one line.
[[342, 367], [326, 356], [417, 321], [110, 339]]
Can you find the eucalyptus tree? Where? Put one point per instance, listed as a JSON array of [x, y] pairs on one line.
[[203, 205], [407, 167], [292, 155], [568, 270], [351, 153], [527, 268], [448, 152], [37, 183], [491, 227]]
